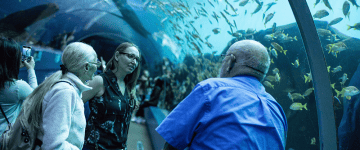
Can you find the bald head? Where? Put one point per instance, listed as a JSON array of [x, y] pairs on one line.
[[246, 57]]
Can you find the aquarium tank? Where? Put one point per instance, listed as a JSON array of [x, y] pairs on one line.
[[188, 37]]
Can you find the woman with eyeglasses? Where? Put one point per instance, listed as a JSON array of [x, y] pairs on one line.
[[112, 100]]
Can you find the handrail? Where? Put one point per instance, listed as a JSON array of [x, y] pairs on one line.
[[320, 76]]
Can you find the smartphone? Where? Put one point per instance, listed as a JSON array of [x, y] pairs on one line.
[[26, 53]]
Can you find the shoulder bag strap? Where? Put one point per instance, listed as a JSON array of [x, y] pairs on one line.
[[4, 114]]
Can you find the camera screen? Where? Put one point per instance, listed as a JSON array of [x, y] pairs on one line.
[[26, 53]]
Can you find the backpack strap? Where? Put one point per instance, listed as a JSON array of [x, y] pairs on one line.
[[4, 115], [63, 81]]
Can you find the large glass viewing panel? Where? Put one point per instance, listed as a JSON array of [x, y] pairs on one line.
[[192, 35], [337, 24]]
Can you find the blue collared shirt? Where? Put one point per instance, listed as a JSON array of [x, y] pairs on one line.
[[226, 113]]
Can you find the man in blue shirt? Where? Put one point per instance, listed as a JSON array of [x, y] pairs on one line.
[[231, 112]]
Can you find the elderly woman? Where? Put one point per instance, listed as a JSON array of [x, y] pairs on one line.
[[13, 91], [112, 100], [55, 108]]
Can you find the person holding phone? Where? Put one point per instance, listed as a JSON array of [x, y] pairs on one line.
[[12, 90]]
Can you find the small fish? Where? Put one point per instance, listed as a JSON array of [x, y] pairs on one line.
[[268, 37], [215, 16], [209, 45], [321, 14], [274, 53], [324, 33], [297, 96], [277, 77], [235, 24], [275, 71], [269, 5], [202, 8], [350, 91], [327, 4], [308, 91], [298, 106], [317, 2], [216, 30], [313, 141], [258, 2], [290, 96], [263, 16], [162, 21], [356, 26], [346, 9], [336, 69], [308, 77], [207, 37], [211, 4], [296, 64], [258, 8], [270, 78], [278, 47], [269, 17], [268, 84], [273, 29], [178, 38], [343, 79], [328, 68], [243, 2], [353, 2], [335, 21], [337, 47]]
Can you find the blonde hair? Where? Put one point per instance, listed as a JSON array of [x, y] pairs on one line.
[[74, 57]]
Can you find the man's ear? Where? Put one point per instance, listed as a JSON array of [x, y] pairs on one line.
[[231, 62], [87, 67]]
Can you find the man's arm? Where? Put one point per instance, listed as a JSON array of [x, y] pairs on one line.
[[167, 146]]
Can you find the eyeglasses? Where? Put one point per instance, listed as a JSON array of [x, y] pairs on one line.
[[97, 63], [132, 56]]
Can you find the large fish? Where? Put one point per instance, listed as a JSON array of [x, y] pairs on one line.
[[327, 4], [353, 2], [269, 5], [321, 14], [346, 9], [268, 18], [335, 21], [129, 15], [258, 8], [243, 2], [317, 2], [13, 25], [356, 26]]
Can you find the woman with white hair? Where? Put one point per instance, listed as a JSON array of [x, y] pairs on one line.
[[55, 108]]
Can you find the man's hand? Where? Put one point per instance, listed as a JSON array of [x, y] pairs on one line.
[[28, 65]]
